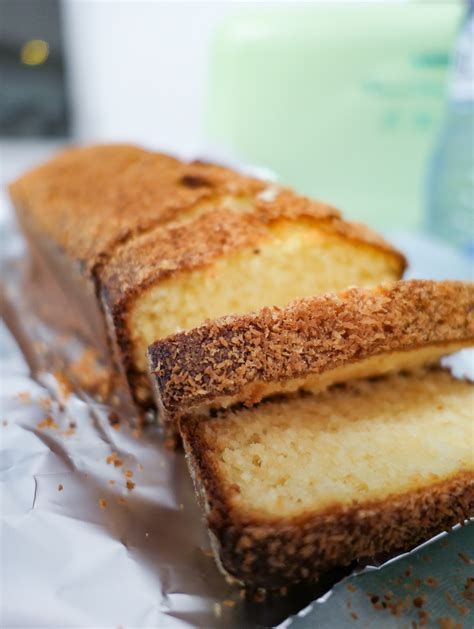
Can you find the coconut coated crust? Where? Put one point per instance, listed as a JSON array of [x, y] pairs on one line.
[[272, 552], [123, 217], [310, 336]]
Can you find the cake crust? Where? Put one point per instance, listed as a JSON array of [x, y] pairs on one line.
[[126, 218], [271, 552], [310, 336]]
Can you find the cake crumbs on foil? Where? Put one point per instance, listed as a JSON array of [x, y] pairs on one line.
[[130, 485], [432, 582], [128, 473], [24, 396], [45, 403], [114, 459], [448, 623], [170, 443], [463, 557], [60, 487], [47, 422], [102, 503]]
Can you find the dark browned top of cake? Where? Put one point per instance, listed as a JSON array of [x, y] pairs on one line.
[[114, 208], [309, 336]]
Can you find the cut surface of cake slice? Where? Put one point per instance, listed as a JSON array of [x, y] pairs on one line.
[[311, 344], [145, 244], [295, 486]]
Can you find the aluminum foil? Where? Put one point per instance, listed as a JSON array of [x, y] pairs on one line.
[[99, 523]]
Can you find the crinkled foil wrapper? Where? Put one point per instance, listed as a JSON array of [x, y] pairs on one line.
[[100, 526]]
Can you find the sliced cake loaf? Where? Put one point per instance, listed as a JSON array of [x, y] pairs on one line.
[[311, 344], [143, 245], [295, 486]]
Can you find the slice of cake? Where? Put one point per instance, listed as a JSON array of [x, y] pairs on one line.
[[295, 486], [143, 245], [311, 344]]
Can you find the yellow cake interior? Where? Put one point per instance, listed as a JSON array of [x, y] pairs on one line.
[[296, 259], [359, 442]]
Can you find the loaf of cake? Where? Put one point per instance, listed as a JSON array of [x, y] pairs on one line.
[[311, 344], [295, 486], [137, 245]]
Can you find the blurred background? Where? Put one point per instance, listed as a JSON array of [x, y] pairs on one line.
[[366, 105]]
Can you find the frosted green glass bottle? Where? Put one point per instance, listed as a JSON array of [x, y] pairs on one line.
[[451, 181], [342, 102]]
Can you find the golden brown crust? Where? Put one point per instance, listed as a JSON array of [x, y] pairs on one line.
[[92, 200], [310, 336], [127, 218], [271, 552]]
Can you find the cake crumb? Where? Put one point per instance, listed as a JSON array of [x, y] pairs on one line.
[[60, 487], [465, 558], [112, 482], [69, 432], [419, 601], [448, 623], [114, 459], [354, 616], [351, 588], [170, 443], [102, 503], [114, 419], [432, 582], [469, 596], [128, 473], [45, 403], [130, 485], [24, 396], [48, 422]]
